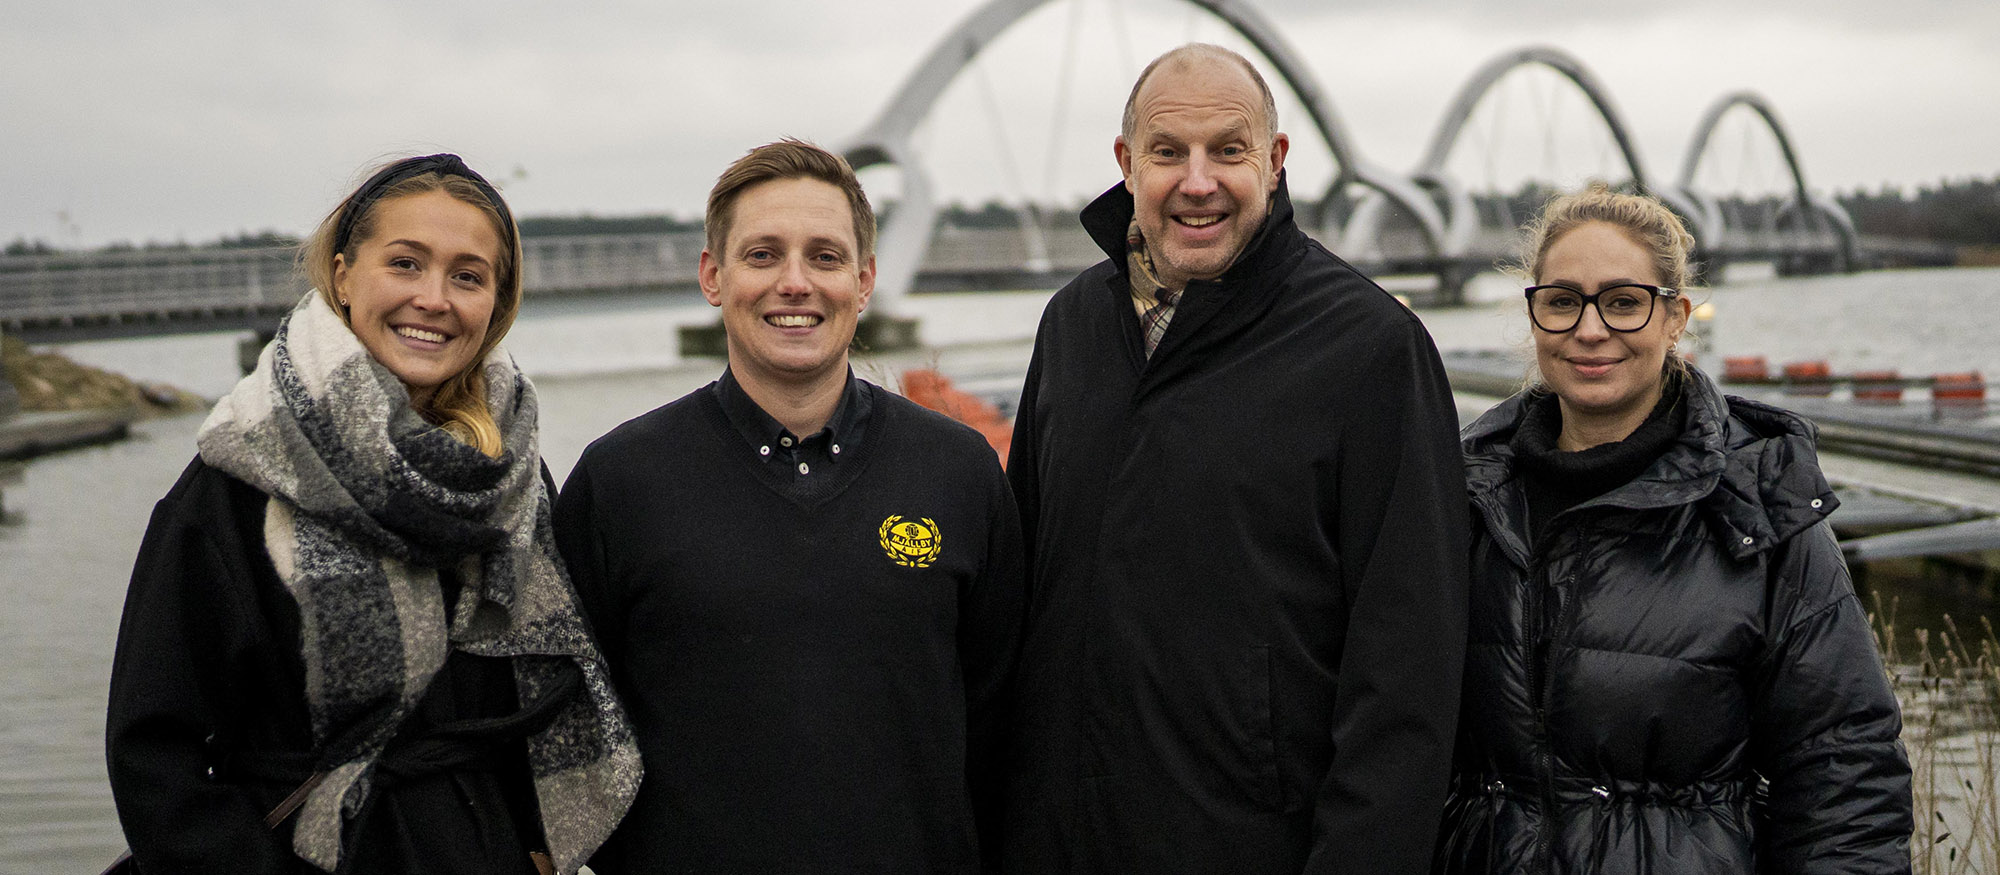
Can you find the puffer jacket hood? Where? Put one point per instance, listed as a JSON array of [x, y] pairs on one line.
[[1676, 676]]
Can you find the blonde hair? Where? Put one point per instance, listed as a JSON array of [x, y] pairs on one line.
[[459, 404], [1643, 219]]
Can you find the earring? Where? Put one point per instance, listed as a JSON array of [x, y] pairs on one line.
[[343, 302]]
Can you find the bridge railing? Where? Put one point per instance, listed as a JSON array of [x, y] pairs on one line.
[[117, 288], [112, 288], [146, 284], [606, 262]]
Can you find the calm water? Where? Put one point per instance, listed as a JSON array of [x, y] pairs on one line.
[[76, 518]]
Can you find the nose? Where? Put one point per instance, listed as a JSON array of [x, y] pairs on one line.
[[1590, 325], [792, 279], [431, 293], [1199, 181]]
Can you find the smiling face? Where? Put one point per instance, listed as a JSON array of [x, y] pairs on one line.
[[420, 290], [791, 283], [1606, 381], [1201, 166]]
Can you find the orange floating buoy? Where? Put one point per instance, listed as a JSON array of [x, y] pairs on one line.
[[1808, 378], [1878, 387], [1745, 369], [1958, 395]]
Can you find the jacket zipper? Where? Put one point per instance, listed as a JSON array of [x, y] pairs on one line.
[[1540, 644], [1532, 636]]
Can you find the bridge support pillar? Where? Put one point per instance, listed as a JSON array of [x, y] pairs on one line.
[[878, 333], [1451, 286], [1810, 264], [1706, 270], [704, 341], [10, 399], [251, 346]]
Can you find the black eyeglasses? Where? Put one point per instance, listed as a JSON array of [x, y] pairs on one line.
[[1624, 307]]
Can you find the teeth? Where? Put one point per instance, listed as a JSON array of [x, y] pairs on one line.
[[1199, 221], [420, 334], [799, 320]]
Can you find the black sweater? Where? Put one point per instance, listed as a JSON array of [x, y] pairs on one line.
[[815, 688]]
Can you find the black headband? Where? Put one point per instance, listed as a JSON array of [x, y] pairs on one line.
[[443, 163]]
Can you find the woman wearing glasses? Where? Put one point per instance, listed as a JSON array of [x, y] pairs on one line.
[[1668, 670]]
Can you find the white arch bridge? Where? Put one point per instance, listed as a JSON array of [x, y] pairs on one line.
[[1423, 221]]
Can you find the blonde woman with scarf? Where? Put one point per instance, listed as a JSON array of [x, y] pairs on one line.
[[349, 644]]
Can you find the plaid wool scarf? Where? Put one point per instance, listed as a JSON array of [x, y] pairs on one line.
[[368, 501]]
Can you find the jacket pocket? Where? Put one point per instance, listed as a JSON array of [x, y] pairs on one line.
[[1254, 694]]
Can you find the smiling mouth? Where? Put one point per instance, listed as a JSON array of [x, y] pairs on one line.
[[1198, 221], [794, 320], [421, 334]]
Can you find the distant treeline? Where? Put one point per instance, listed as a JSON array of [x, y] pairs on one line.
[[1960, 212], [1966, 212]]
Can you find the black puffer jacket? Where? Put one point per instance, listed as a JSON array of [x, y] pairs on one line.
[[1633, 675]]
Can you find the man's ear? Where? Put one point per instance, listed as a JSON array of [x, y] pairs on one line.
[[1123, 152], [1280, 146], [867, 283], [710, 276]]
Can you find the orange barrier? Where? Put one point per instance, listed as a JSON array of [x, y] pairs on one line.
[[1958, 395], [1877, 387], [1745, 369], [935, 391], [1808, 378]]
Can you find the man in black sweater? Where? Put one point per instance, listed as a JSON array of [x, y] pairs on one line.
[[1237, 468], [809, 589]]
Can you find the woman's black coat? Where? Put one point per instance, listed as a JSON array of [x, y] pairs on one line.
[[208, 726], [1665, 656]]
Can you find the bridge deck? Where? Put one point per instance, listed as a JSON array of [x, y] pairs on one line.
[[82, 295]]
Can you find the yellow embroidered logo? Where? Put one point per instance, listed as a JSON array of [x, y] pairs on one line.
[[910, 543]]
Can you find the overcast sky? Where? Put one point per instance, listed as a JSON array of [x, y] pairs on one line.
[[191, 119]]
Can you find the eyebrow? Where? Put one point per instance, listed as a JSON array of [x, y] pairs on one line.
[[1621, 281], [817, 240], [1236, 130], [425, 249]]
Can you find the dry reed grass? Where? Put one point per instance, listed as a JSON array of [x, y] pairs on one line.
[[1949, 688]]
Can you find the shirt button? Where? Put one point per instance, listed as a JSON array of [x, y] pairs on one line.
[[763, 451], [785, 440], [803, 469], [836, 449]]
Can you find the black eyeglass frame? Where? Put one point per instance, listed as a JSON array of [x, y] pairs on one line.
[[1654, 294]]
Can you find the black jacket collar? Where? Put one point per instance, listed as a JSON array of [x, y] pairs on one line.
[[1753, 469], [1110, 216], [1210, 310]]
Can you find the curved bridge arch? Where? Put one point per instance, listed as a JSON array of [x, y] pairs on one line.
[[887, 140], [1462, 220], [1804, 202]]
